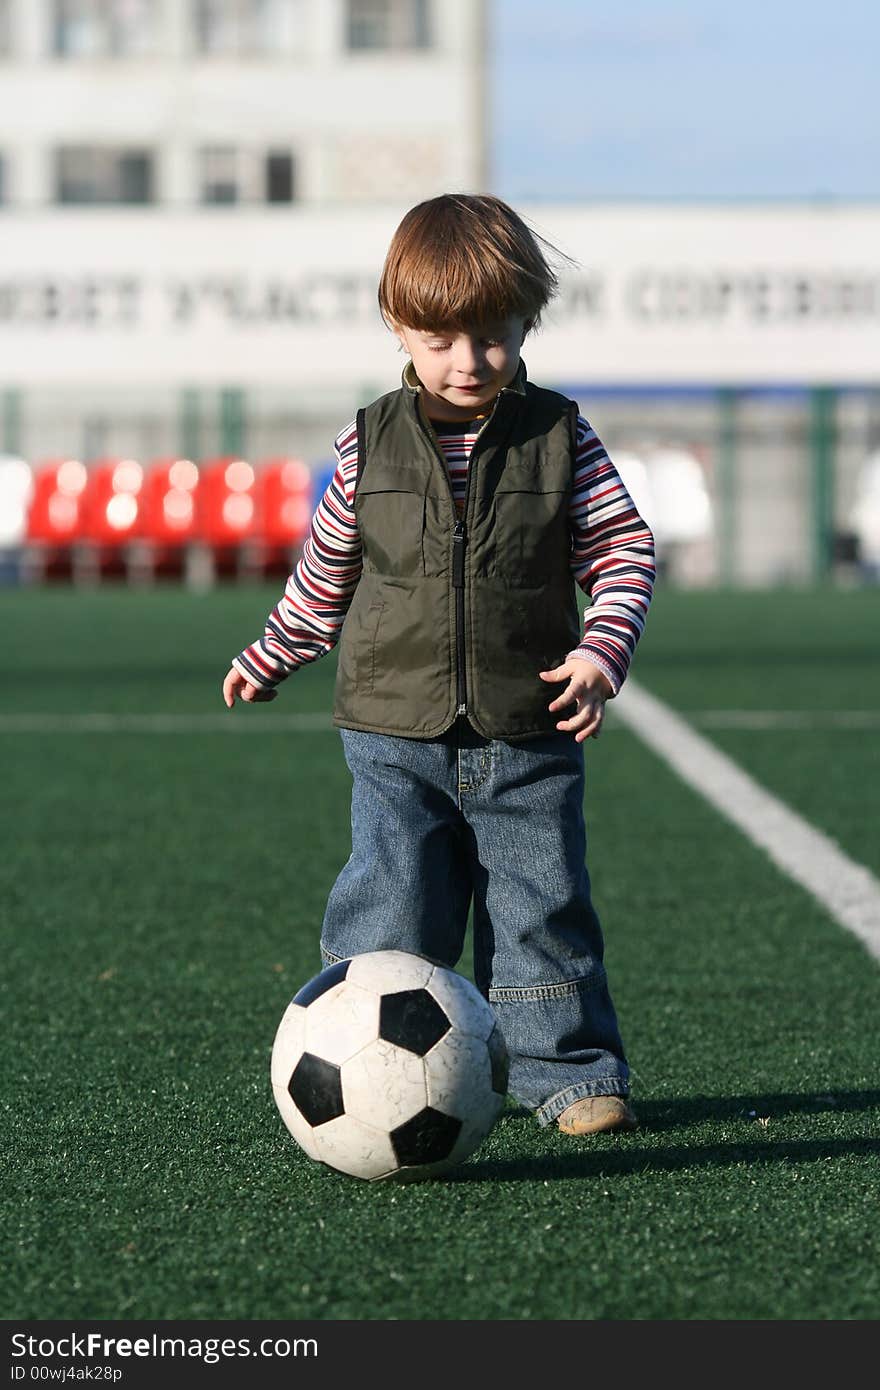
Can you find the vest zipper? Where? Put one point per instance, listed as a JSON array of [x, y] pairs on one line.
[[459, 541]]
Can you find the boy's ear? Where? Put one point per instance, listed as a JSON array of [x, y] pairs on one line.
[[400, 335]]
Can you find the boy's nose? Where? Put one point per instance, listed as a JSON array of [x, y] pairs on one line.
[[468, 356]]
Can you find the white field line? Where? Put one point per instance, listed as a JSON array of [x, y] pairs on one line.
[[848, 890], [316, 722]]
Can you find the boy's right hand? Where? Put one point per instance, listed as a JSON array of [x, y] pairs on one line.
[[235, 685]]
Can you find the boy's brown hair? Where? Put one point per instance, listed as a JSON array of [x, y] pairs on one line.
[[464, 260]]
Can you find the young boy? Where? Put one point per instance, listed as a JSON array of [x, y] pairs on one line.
[[443, 558]]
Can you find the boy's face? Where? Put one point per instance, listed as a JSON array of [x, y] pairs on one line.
[[462, 372]]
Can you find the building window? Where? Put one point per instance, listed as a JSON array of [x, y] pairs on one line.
[[238, 28], [279, 177], [86, 174], [105, 28], [230, 175], [388, 24]]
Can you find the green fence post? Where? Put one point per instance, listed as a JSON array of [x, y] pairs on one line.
[[823, 441], [232, 421], [727, 478], [12, 421], [190, 425]]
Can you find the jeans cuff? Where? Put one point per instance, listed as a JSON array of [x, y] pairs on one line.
[[601, 1086]]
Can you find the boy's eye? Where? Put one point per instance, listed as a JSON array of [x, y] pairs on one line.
[[485, 342]]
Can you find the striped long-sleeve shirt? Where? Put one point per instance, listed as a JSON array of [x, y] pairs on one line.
[[612, 559]]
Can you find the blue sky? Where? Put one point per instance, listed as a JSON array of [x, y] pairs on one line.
[[684, 99]]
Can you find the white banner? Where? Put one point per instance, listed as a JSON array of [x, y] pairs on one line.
[[659, 295]]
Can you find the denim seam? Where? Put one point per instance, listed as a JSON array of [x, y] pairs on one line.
[[504, 994], [598, 1086], [333, 959], [485, 768]]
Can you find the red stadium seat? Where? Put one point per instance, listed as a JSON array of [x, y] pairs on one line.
[[56, 511], [168, 521], [227, 511], [284, 513], [56, 516], [112, 502], [170, 498], [112, 505]]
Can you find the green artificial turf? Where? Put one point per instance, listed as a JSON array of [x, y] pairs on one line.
[[801, 649], [813, 652], [162, 896]]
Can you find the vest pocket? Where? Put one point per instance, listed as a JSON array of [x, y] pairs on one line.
[[532, 534], [392, 522], [367, 662], [357, 645]]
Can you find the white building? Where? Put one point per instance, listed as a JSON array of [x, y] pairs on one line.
[[123, 120], [185, 102]]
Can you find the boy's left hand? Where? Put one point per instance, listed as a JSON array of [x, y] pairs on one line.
[[588, 688]]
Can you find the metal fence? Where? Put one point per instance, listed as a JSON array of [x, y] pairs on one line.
[[750, 486]]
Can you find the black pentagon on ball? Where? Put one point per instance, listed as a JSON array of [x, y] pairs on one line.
[[427, 1138], [321, 983], [412, 1019], [316, 1089], [500, 1061]]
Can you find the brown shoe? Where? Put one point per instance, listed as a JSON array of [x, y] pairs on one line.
[[596, 1114]]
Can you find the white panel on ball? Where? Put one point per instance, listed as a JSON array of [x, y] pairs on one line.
[[288, 1045], [386, 971], [384, 1085], [342, 1021], [458, 1075], [351, 1146], [465, 1008]]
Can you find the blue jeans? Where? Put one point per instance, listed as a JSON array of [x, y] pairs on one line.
[[438, 822]]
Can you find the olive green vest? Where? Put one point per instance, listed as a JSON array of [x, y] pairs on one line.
[[453, 616]]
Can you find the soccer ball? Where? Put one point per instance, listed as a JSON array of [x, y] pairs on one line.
[[389, 1065]]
